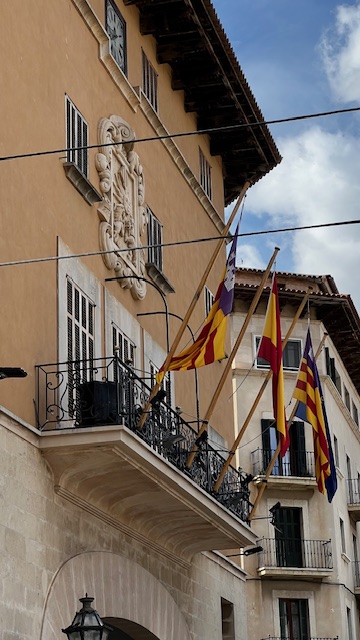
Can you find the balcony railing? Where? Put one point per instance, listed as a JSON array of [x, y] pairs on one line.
[[294, 553], [353, 489], [356, 568], [297, 637], [107, 391], [298, 464]]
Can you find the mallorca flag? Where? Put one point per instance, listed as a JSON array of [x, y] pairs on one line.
[[210, 345], [270, 349], [311, 409]]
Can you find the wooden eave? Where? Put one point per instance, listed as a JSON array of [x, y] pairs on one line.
[[191, 40], [336, 311]]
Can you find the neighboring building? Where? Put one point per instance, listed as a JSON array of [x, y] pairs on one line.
[[90, 503], [305, 582]]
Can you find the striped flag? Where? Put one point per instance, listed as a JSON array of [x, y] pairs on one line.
[[210, 345], [311, 409], [270, 349]]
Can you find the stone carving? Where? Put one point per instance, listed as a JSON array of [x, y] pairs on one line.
[[122, 211]]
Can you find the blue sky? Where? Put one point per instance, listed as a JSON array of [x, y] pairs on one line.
[[300, 58]]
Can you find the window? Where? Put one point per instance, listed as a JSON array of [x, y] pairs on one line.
[[124, 347], [149, 82], [205, 174], [294, 462], [227, 620], [288, 540], [346, 398], [291, 355], [349, 624], [342, 535], [154, 235], [332, 371], [166, 382], [355, 414], [80, 323], [294, 619], [336, 451], [115, 26], [76, 136], [80, 343], [209, 300]]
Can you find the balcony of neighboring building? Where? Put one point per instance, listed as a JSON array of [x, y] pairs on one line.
[[296, 470], [137, 479], [356, 572], [295, 559], [293, 637], [353, 498]]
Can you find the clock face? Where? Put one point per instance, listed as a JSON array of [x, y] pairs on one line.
[[116, 28]]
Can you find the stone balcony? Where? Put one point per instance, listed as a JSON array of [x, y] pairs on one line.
[[136, 479]]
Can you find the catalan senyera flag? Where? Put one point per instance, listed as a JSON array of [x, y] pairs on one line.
[[311, 409], [210, 345], [270, 349]]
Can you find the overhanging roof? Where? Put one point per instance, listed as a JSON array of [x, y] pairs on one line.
[[336, 311], [190, 38]]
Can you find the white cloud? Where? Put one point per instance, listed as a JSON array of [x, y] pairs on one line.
[[340, 48], [317, 182], [249, 256]]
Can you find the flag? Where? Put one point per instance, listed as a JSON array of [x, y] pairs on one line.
[[210, 345], [270, 349], [311, 409]]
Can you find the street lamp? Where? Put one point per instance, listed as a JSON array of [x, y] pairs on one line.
[[87, 624]]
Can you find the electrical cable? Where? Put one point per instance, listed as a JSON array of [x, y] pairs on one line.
[[180, 243], [234, 127]]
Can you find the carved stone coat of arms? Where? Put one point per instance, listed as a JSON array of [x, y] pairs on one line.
[[122, 211]]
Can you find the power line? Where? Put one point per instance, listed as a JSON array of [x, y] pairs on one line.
[[179, 243], [233, 127]]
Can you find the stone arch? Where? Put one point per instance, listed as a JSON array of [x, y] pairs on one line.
[[123, 591]]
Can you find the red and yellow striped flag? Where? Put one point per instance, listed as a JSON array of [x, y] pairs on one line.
[[311, 409], [210, 345], [271, 350]]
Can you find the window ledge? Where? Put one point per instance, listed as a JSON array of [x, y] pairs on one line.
[[159, 279], [81, 183]]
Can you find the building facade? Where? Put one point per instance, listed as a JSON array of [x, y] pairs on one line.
[[305, 581], [101, 205]]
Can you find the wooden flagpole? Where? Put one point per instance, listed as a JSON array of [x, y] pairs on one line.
[[258, 397], [277, 452], [231, 357], [196, 297]]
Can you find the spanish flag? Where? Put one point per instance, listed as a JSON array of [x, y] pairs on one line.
[[270, 349], [210, 345]]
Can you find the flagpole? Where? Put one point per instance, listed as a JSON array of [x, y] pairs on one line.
[[276, 454], [196, 297], [230, 359], [258, 397]]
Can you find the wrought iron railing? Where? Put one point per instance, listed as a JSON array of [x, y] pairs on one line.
[[298, 464], [353, 491], [295, 553], [107, 391], [299, 637]]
